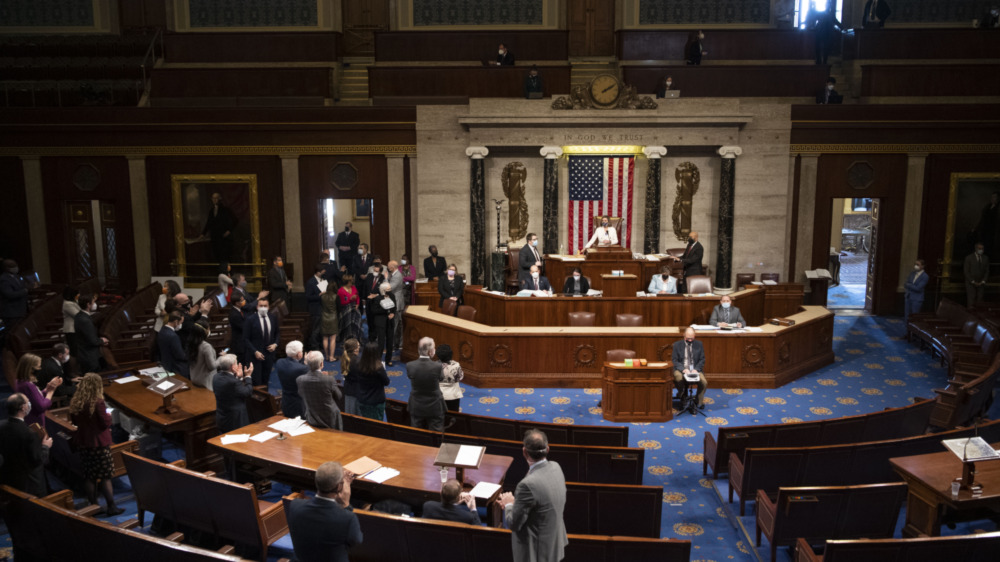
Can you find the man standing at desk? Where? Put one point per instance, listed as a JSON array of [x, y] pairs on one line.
[[662, 283], [605, 235], [325, 527], [231, 386], [689, 357], [528, 257], [725, 315], [691, 258], [534, 512], [172, 355]]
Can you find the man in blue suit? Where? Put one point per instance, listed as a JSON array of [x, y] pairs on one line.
[[325, 527], [689, 358], [536, 281], [260, 334], [172, 355], [915, 284], [455, 505]]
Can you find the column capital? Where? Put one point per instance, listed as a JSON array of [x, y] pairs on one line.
[[477, 152], [729, 151], [551, 152], [654, 151]]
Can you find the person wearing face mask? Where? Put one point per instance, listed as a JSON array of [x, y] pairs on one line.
[[451, 287], [828, 95], [977, 272], [533, 87], [27, 384], [331, 273], [384, 311], [434, 265], [23, 451], [504, 57], [536, 281], [395, 278], [363, 261], [13, 295], [70, 308], [237, 319], [278, 284], [691, 258], [915, 284], [260, 337], [409, 277], [576, 284], [694, 49], [876, 12], [725, 315], [529, 256], [666, 84], [347, 243], [87, 340], [604, 235], [662, 283], [53, 367], [172, 355], [170, 290], [226, 282], [240, 286], [824, 22], [370, 292], [688, 356]]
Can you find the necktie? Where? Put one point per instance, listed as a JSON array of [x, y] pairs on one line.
[[267, 329], [726, 311], [536, 284], [687, 356]]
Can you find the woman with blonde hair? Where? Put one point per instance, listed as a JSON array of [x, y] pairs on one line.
[[89, 414], [41, 400]]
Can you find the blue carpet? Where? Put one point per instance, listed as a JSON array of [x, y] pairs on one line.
[[874, 369]]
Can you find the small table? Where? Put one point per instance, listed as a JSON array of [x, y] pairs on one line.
[[929, 479], [637, 394]]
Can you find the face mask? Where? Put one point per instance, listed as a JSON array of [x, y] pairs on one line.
[[501, 52], [402, 262], [605, 224], [262, 311], [64, 359], [534, 243], [916, 268], [434, 253], [279, 264], [243, 284], [689, 340], [829, 87], [451, 273], [701, 36], [347, 229], [664, 276], [361, 251], [669, 83], [534, 275], [93, 307], [377, 262], [165, 290], [577, 277], [979, 252], [726, 304], [690, 240], [14, 270]]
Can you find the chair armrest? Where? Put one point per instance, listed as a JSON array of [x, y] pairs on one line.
[[735, 474], [709, 451], [946, 392], [273, 520], [130, 524], [181, 463], [90, 511], [210, 473], [804, 552], [175, 537], [229, 549], [62, 498]]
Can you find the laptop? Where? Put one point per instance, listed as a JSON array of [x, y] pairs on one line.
[[534, 95], [672, 94]]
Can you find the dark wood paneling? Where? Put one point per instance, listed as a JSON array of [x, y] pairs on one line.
[[731, 81], [314, 184], [15, 242], [58, 187], [889, 186], [240, 82], [894, 124], [472, 81], [251, 47], [730, 44], [930, 80], [393, 46], [591, 26], [924, 44], [270, 200]]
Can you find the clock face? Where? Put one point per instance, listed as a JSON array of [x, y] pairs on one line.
[[605, 89]]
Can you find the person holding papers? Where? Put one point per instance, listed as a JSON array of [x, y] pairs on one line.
[[455, 505], [689, 358], [605, 234], [662, 283], [325, 527], [232, 387], [320, 392], [725, 315], [536, 282], [576, 284]]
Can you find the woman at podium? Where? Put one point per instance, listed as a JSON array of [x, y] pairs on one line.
[[605, 234]]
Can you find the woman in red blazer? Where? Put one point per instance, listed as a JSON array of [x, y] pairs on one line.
[[89, 414]]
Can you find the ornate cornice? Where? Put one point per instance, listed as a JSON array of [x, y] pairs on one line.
[[894, 148], [396, 149]]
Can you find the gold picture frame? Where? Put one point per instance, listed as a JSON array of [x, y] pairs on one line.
[[968, 194], [192, 195]]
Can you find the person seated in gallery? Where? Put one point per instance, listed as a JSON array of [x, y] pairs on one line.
[[576, 284], [828, 95], [662, 283], [665, 85], [536, 282], [504, 57], [455, 505], [605, 234], [725, 315], [533, 86]]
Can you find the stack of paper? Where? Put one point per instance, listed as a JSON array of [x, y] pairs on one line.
[[123, 380], [263, 436], [485, 490], [287, 425], [152, 371], [469, 455], [237, 438], [381, 474]]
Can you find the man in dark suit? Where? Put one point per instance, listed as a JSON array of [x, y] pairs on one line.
[[278, 283], [314, 305], [240, 287], [347, 243], [219, 229], [52, 367], [325, 527], [691, 259], [172, 354], [534, 512], [915, 284], [689, 358], [88, 342], [455, 505], [426, 401], [260, 337], [576, 284], [451, 286], [23, 451], [231, 386], [876, 12], [725, 315], [331, 271], [434, 265], [824, 23], [504, 57], [289, 369], [535, 281], [529, 256], [237, 318], [370, 295], [362, 262], [13, 295], [977, 271], [828, 95]]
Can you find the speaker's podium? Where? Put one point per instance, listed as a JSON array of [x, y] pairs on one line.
[[637, 393]]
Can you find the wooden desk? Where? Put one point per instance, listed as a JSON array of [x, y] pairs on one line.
[[619, 285], [195, 419], [637, 394], [296, 459], [598, 263], [929, 479]]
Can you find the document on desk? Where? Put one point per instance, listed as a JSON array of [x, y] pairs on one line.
[[704, 327], [485, 490], [153, 371], [381, 474], [263, 436], [287, 425], [362, 466], [301, 430], [469, 455], [235, 438], [123, 380]]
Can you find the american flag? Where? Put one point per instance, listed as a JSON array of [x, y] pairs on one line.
[[599, 185]]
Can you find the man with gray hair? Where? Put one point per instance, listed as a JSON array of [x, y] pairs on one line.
[[534, 512], [23, 451], [232, 386], [426, 401], [320, 393], [290, 368], [325, 527]]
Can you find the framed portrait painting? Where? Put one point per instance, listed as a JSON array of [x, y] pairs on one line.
[[973, 218], [362, 209]]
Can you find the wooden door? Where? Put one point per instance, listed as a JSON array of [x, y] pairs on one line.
[[362, 19], [873, 257], [591, 25], [82, 252]]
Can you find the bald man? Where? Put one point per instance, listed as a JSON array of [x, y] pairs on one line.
[[691, 258], [689, 358]]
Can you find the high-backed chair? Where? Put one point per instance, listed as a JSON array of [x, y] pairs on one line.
[[743, 279], [616, 223], [698, 284], [619, 355], [466, 312], [448, 307], [582, 318], [628, 320], [566, 280], [511, 282], [776, 277]]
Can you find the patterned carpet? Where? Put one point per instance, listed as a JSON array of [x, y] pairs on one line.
[[853, 278], [874, 369]]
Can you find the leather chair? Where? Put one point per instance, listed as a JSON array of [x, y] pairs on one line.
[[628, 320], [743, 279], [616, 223], [582, 318], [466, 312], [776, 277], [566, 280], [699, 284], [511, 282], [448, 307], [619, 355]]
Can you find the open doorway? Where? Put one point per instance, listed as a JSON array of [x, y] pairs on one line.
[[853, 234], [334, 214]]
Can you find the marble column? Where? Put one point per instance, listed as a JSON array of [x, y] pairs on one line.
[[37, 232], [477, 214], [293, 223], [727, 205], [397, 207], [808, 167], [139, 192], [915, 164], [651, 227], [550, 200]]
